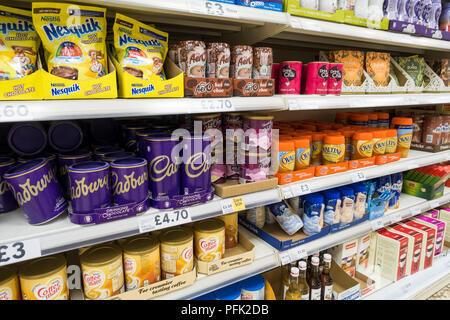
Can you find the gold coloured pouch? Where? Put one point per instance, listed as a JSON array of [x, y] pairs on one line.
[[19, 43], [74, 39], [140, 48]]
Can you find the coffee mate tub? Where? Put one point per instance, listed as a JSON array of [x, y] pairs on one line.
[[9, 283], [141, 262], [209, 239], [176, 252], [44, 279], [102, 271]]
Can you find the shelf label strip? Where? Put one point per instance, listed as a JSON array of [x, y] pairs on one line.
[[19, 251], [161, 220]]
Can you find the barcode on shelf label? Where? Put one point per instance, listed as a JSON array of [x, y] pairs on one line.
[[297, 253], [19, 251], [358, 176], [15, 112], [232, 205], [284, 257], [377, 224], [223, 105], [161, 220], [287, 193], [300, 189], [213, 8]]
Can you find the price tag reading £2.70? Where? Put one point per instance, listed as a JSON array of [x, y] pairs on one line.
[[19, 251], [161, 220]]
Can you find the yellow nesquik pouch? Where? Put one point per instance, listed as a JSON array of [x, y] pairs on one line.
[[19, 43], [140, 48], [74, 39]]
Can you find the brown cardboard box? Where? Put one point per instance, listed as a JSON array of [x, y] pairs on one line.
[[344, 286], [232, 188], [366, 284], [242, 254]]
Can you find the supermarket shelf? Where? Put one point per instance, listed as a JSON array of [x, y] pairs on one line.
[[308, 102], [411, 287], [265, 260], [415, 159], [106, 108], [61, 235], [409, 207], [304, 27]]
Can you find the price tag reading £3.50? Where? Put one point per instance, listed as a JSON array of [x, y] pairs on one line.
[[19, 251], [161, 220]]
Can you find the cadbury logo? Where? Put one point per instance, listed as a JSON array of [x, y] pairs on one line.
[[161, 167], [29, 190], [83, 189], [196, 165], [3, 187], [128, 183]]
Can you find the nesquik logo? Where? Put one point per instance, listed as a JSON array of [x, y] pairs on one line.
[[49, 291]]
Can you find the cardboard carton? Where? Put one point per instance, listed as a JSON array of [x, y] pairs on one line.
[[345, 256], [362, 257], [429, 238], [344, 286], [391, 256]]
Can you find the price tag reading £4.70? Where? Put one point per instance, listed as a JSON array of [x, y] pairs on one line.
[[19, 251], [232, 205], [161, 220]]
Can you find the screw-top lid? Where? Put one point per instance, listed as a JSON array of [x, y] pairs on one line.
[[346, 191], [331, 194], [314, 198], [327, 257], [294, 271], [315, 261], [302, 265]]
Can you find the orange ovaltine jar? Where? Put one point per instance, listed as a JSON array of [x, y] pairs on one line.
[[348, 134], [337, 126], [391, 141], [285, 155], [333, 150], [342, 117], [379, 142], [302, 153], [383, 120], [359, 119], [308, 127], [316, 148], [324, 126], [362, 142], [373, 119], [404, 134]]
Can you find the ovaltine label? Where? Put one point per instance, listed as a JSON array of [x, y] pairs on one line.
[[365, 149], [287, 161]]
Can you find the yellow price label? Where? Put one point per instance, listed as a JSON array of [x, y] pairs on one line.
[[232, 205], [238, 204]]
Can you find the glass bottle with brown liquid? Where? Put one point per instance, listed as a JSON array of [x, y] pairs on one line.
[[302, 283], [326, 279], [314, 283], [293, 292], [286, 269]]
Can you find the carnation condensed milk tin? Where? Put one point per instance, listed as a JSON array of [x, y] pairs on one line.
[[102, 271], [141, 261], [9, 283], [209, 238], [44, 278], [177, 252]]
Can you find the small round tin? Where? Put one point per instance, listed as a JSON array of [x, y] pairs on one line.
[[27, 138], [65, 136], [129, 180]]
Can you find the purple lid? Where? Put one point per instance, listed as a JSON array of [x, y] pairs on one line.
[[46, 155], [27, 139], [161, 137], [127, 162], [107, 149], [79, 153], [135, 126], [117, 155], [84, 166], [104, 131], [25, 167], [6, 161], [65, 136]]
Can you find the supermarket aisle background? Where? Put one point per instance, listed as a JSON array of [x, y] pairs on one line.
[[443, 294]]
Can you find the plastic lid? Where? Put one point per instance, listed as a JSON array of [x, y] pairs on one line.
[[318, 136], [340, 139], [7, 272], [337, 125], [379, 134], [231, 292], [128, 162], [100, 255], [140, 245], [315, 261], [331, 194], [383, 115], [346, 191], [27, 139], [342, 115], [401, 121], [117, 155], [359, 117], [254, 283], [302, 265], [361, 135], [286, 145], [391, 132], [65, 136], [372, 115], [294, 271], [42, 267], [176, 236], [80, 153], [89, 166], [302, 143], [314, 198], [107, 149], [359, 187], [347, 133], [209, 225], [25, 167]]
